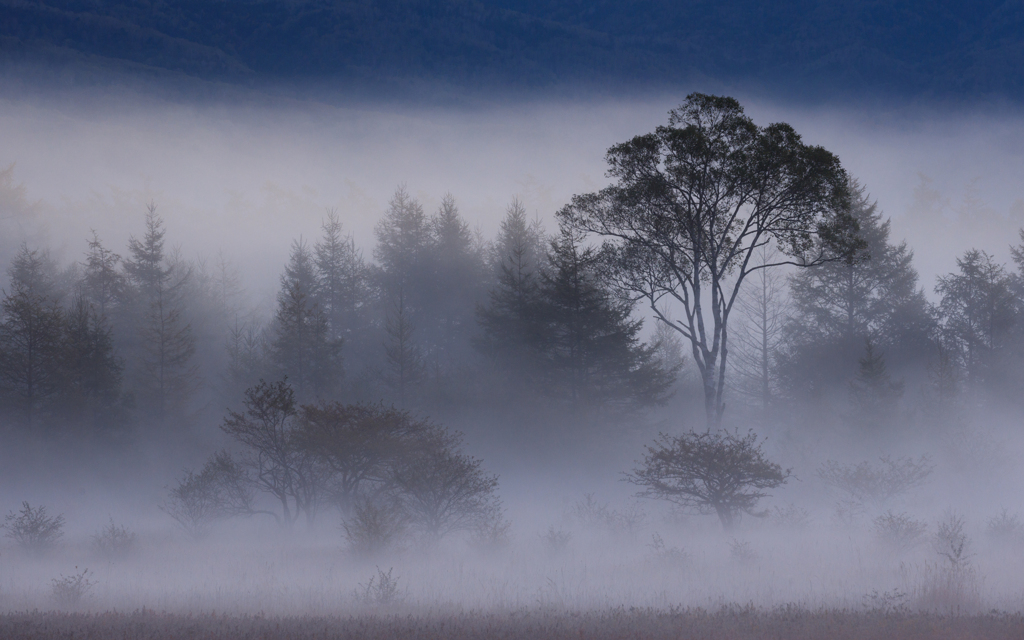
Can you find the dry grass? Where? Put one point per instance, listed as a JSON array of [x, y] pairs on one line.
[[729, 623]]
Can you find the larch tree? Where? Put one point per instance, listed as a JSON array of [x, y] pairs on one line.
[[508, 319], [31, 324], [165, 373], [872, 294], [303, 349]]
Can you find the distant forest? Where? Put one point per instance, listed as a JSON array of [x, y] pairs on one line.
[[910, 49], [525, 328]]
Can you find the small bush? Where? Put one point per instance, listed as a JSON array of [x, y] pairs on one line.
[[667, 555], [951, 542], [375, 526], [950, 585], [114, 542], [790, 517], [593, 515], [1005, 528], [33, 530], [493, 535], [556, 540], [381, 590], [887, 602], [67, 591], [742, 552], [899, 532]]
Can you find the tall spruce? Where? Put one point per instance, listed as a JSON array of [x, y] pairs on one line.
[[458, 284], [303, 349], [585, 339], [341, 281], [870, 295], [978, 313], [30, 338], [508, 320], [164, 372]]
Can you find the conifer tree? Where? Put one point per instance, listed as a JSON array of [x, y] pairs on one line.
[[31, 321], [341, 280], [163, 371], [508, 320], [978, 313], [586, 340], [870, 295], [457, 284], [102, 284], [303, 349], [90, 371], [404, 359], [874, 396]]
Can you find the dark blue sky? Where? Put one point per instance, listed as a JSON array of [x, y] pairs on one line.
[[806, 50]]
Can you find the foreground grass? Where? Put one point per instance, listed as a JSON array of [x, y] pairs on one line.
[[730, 623]]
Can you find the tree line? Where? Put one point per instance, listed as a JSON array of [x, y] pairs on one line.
[[768, 272]]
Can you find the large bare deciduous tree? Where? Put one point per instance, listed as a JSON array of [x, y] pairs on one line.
[[692, 204]]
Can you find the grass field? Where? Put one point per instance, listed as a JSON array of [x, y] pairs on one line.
[[730, 623]]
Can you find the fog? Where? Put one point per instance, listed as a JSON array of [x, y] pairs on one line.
[[241, 179]]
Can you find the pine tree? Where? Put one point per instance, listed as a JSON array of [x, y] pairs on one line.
[[508, 321], [872, 295], [978, 313], [874, 397], [303, 349], [458, 285], [30, 337], [90, 374], [341, 287], [102, 284], [163, 370], [586, 340], [404, 359]]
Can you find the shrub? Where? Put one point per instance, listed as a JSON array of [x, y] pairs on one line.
[[742, 552], [899, 532], [666, 555], [596, 515], [381, 590], [1005, 528], [556, 540], [67, 591], [114, 542], [720, 473], [864, 484], [375, 526], [33, 530]]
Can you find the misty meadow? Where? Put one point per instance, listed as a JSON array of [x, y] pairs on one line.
[[708, 393]]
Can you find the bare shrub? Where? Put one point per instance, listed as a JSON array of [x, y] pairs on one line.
[[665, 554], [375, 526], [593, 515], [950, 585], [899, 532], [114, 542], [380, 591], [220, 489], [67, 592], [864, 484], [951, 542], [493, 535], [33, 530], [556, 540], [790, 516], [742, 552], [887, 602], [1005, 528]]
